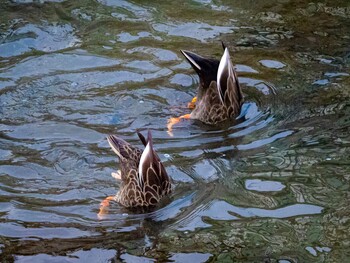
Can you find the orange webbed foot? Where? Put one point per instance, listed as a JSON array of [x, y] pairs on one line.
[[174, 120], [192, 104], [104, 204]]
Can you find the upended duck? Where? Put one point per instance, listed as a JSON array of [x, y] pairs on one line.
[[144, 180], [219, 96]]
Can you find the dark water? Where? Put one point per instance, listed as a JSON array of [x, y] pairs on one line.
[[273, 188]]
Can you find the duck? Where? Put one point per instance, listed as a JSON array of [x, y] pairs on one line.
[[144, 180], [219, 97]]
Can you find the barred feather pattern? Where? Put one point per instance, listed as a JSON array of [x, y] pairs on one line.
[[132, 194], [211, 110], [216, 102], [155, 182]]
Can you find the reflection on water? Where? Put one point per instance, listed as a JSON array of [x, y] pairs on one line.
[[48, 38], [272, 187]]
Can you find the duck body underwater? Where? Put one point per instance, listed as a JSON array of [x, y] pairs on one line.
[[144, 180], [219, 96]]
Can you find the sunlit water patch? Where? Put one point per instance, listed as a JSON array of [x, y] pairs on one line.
[[199, 31], [46, 38]]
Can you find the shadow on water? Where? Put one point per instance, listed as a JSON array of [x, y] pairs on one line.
[[272, 186]]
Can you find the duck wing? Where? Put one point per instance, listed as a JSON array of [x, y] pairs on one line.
[[206, 68]]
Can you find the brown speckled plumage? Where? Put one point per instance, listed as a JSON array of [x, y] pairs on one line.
[[137, 189], [210, 107]]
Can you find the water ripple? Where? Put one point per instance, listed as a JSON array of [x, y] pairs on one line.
[[46, 38], [72, 72], [199, 31]]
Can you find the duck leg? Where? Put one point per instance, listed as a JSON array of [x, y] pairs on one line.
[[104, 204], [174, 120], [192, 104]]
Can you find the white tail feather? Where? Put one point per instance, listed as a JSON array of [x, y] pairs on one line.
[[145, 154], [225, 65]]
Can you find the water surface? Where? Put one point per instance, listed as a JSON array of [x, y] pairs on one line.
[[273, 187]]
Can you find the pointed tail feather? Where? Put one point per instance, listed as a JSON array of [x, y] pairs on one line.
[[118, 146], [227, 81], [206, 68], [194, 59], [146, 160], [150, 166], [223, 45], [142, 138]]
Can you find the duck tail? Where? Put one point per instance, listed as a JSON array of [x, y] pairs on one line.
[[118, 145], [227, 82], [142, 138]]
